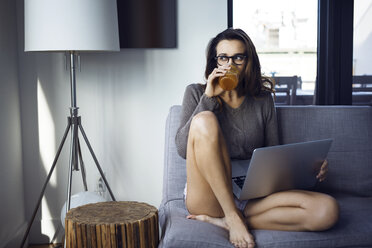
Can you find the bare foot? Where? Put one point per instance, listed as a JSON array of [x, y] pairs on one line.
[[239, 235]]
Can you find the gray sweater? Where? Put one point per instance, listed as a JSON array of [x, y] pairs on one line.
[[253, 124]]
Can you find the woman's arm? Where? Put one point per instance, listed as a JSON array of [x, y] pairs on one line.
[[194, 102], [271, 124], [198, 98]]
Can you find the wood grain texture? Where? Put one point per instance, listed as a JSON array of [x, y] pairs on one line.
[[112, 224]]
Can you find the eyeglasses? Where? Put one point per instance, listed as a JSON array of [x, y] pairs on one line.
[[237, 59]]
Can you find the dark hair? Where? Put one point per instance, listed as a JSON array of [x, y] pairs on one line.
[[251, 81]]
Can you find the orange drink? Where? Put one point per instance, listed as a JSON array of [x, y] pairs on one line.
[[230, 80]]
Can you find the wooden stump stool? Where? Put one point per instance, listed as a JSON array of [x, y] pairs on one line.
[[112, 224]]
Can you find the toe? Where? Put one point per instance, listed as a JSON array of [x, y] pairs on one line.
[[251, 245], [191, 217]]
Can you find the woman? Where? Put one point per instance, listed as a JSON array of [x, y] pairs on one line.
[[217, 126]]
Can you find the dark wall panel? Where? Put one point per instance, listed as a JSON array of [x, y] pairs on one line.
[[147, 23]]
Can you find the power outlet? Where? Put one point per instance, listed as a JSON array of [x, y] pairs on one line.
[[101, 187]]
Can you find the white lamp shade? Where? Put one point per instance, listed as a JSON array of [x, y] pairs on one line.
[[71, 25]]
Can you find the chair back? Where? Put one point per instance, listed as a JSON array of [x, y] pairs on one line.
[[290, 88]]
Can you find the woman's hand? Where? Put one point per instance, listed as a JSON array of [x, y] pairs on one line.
[[323, 171], [213, 89]]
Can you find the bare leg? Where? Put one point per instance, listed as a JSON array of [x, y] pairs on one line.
[[209, 189], [294, 210]]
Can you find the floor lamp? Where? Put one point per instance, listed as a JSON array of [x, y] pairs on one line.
[[71, 26]]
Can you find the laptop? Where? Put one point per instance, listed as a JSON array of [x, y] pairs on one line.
[[277, 168]]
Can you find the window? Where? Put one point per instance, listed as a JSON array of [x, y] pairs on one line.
[[362, 52], [285, 35]]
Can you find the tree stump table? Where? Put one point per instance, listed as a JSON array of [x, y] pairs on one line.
[[112, 224]]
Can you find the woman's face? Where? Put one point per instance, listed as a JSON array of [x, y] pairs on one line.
[[231, 52]]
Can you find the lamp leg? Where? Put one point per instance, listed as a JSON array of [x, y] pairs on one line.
[[83, 174], [96, 161], [74, 140], [73, 159], [46, 183]]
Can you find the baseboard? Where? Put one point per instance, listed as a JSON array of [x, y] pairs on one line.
[[16, 238], [46, 231], [36, 236]]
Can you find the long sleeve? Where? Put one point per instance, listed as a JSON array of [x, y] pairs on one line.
[[194, 102]]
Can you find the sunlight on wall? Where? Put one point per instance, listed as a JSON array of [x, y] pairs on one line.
[[46, 133], [47, 154], [47, 227]]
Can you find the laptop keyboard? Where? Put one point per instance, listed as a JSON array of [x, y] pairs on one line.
[[239, 181]]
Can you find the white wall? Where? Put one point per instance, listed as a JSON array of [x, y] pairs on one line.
[[124, 99], [12, 215]]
